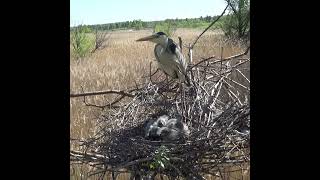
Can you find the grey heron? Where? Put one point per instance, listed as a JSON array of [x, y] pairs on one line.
[[169, 56]]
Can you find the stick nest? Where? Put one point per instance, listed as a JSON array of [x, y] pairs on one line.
[[215, 107]]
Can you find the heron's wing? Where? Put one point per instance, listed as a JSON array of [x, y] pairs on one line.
[[158, 59], [155, 52], [180, 60]]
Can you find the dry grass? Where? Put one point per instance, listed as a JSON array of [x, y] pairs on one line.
[[122, 64]]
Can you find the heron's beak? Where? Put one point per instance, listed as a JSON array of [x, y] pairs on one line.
[[148, 38]]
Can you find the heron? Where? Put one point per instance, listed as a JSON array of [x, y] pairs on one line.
[[169, 56]]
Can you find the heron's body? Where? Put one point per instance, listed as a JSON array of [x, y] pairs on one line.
[[171, 60], [169, 56]]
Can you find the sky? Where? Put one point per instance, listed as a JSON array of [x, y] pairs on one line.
[[108, 11]]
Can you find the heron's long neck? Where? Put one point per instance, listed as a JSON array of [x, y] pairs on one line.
[[164, 43]]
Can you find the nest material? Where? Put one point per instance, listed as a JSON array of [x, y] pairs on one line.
[[215, 108]]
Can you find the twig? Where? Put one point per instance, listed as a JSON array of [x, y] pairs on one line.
[[180, 43], [243, 75], [89, 104], [150, 74], [126, 164], [83, 155], [190, 54], [102, 92], [229, 58], [238, 55], [204, 60], [239, 84], [221, 58], [209, 26]]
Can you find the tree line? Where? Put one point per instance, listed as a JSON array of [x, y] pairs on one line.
[[235, 25], [139, 24]]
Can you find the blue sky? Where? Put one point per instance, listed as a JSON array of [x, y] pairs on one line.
[[108, 11]]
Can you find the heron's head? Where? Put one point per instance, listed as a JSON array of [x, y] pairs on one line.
[[159, 38]]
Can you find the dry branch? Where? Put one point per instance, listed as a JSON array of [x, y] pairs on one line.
[[101, 93], [180, 43], [238, 55]]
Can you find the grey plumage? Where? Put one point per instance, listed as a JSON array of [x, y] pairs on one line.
[[169, 56], [166, 129], [152, 126], [173, 130]]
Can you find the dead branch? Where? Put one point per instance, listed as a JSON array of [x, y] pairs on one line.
[[89, 104], [243, 75], [126, 164], [79, 154], [202, 61], [180, 43], [238, 55], [102, 92]]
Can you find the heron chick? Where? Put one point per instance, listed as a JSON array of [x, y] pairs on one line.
[[173, 130], [152, 126], [165, 129]]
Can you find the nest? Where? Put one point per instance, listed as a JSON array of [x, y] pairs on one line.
[[215, 107]]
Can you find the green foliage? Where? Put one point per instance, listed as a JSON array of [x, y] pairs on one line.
[[168, 27], [237, 22], [80, 41], [160, 159], [137, 24], [86, 29]]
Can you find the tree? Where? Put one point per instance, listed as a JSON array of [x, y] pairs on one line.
[[208, 18], [106, 27], [112, 26], [137, 24], [80, 41], [126, 24], [237, 22]]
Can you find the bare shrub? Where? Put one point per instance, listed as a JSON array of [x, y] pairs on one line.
[[101, 37]]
